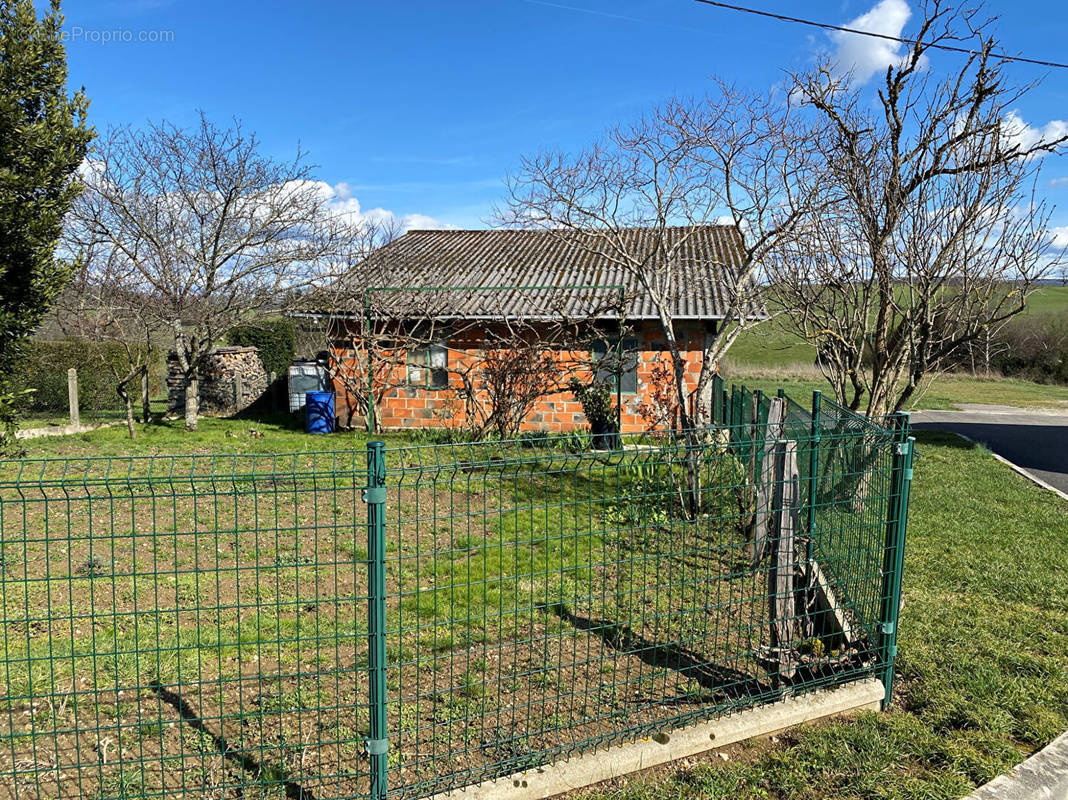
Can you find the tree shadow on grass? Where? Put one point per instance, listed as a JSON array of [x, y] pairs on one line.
[[246, 762], [722, 683]]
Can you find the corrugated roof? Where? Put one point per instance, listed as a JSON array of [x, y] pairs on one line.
[[488, 264]]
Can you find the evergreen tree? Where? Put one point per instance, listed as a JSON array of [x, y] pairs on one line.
[[43, 140]]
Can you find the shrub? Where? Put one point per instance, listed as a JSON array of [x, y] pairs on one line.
[[45, 371], [598, 402], [273, 338], [600, 409], [1035, 348]]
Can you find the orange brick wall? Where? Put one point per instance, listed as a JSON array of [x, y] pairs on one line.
[[421, 407]]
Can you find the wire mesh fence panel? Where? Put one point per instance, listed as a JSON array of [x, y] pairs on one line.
[[183, 627], [542, 602], [327, 625]]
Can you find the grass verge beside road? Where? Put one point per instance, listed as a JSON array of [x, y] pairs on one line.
[[946, 392], [984, 654]]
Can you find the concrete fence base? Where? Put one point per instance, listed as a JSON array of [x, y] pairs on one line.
[[673, 745]]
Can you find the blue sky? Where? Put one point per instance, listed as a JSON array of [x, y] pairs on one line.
[[421, 107]]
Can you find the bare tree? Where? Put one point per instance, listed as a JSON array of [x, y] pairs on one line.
[[212, 230], [931, 238], [99, 307], [729, 157], [374, 330], [518, 361]]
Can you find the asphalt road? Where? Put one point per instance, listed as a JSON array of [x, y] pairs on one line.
[[1036, 441]]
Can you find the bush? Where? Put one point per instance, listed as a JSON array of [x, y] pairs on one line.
[[45, 371], [273, 338], [1034, 348], [599, 407]]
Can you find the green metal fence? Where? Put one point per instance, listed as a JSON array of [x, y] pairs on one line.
[[413, 619]]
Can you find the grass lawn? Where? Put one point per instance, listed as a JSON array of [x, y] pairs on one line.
[[983, 662], [541, 600], [215, 436], [1048, 299], [945, 392], [770, 355], [984, 633]]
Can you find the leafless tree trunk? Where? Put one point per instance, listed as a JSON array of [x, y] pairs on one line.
[[931, 238]]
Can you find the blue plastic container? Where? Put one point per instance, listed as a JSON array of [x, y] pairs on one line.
[[319, 412]]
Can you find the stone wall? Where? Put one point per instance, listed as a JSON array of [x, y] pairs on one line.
[[231, 379]]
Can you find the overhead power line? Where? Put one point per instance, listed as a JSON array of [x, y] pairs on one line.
[[901, 40]]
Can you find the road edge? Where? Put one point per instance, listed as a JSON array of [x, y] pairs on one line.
[[1014, 467], [1044, 776]]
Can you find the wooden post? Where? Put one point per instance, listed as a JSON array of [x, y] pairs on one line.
[[239, 390], [272, 391], [146, 410], [782, 602], [766, 479], [72, 396]]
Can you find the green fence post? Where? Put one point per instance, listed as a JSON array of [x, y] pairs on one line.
[[375, 497], [814, 468], [894, 555]]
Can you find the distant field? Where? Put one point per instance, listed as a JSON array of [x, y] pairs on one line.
[[945, 392], [1048, 299], [770, 356]]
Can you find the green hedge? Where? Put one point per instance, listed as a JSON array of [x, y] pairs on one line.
[[1033, 348], [273, 338], [45, 366]]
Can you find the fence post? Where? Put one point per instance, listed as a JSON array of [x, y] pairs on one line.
[[814, 468], [72, 396], [146, 409], [375, 497], [717, 399], [894, 555]]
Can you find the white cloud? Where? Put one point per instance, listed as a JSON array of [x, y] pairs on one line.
[[1028, 136], [864, 56], [341, 201], [1056, 183], [1059, 236]]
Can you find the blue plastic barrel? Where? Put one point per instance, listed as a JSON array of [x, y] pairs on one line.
[[319, 412]]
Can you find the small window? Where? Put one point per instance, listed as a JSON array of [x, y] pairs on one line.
[[429, 366], [623, 361]]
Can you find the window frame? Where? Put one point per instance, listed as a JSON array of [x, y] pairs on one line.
[[630, 357], [422, 359]]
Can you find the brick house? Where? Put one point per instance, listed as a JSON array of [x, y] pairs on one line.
[[458, 280]]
